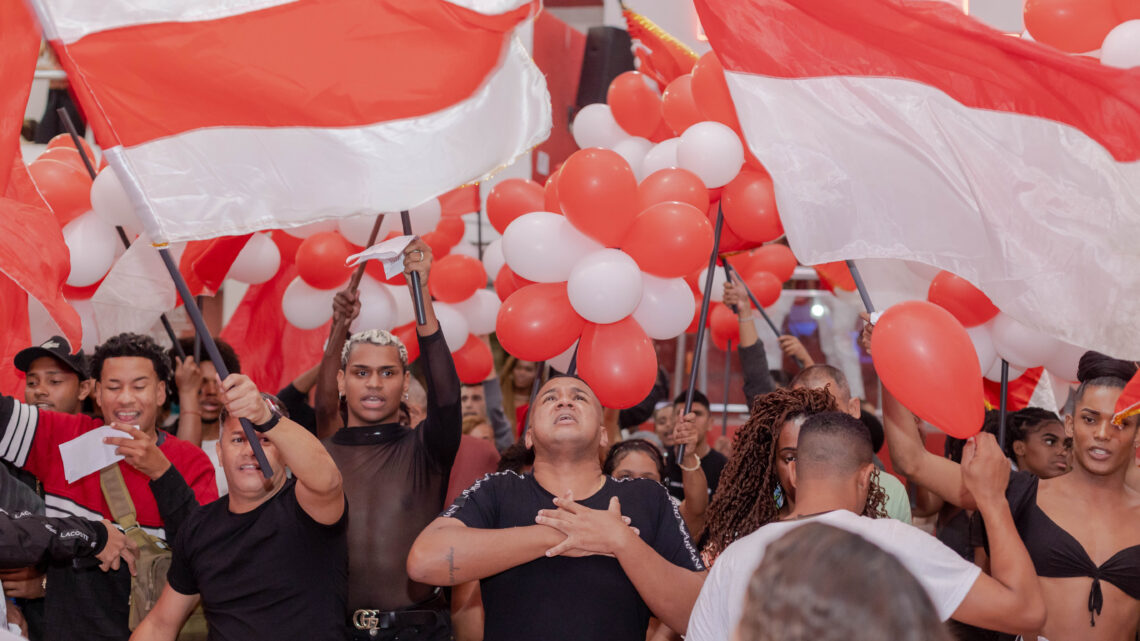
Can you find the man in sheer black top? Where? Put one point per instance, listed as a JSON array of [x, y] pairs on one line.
[[395, 475]]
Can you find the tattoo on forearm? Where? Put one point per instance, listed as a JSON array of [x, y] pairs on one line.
[[451, 565]]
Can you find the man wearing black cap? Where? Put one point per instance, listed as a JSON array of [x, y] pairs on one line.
[[56, 380]]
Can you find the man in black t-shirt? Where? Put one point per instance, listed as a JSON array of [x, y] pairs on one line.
[[270, 559], [565, 552], [712, 461]]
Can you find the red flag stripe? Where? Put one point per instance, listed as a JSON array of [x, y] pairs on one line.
[[156, 80], [932, 43]]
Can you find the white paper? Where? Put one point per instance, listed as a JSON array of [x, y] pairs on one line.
[[875, 316], [390, 253], [88, 453]]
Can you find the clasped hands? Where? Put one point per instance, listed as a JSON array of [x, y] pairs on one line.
[[588, 532]]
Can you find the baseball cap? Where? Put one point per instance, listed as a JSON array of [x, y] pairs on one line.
[[57, 347]]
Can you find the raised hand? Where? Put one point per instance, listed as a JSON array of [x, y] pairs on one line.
[[243, 400], [417, 258], [985, 469], [795, 349], [736, 298], [346, 305]]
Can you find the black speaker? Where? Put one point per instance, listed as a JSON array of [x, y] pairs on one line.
[[608, 54]]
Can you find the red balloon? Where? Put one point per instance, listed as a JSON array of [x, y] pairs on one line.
[[64, 141], [456, 278], [508, 282], [959, 297], [915, 338], [669, 240], [550, 200], [473, 361], [512, 198], [836, 275], [729, 241], [81, 293], [618, 362], [680, 185], [710, 91], [636, 107], [750, 207], [598, 192], [288, 246], [662, 134], [777, 260], [724, 326], [1126, 10], [320, 260], [1075, 26], [65, 155], [677, 105], [65, 188], [438, 243], [451, 229], [765, 287], [537, 322], [407, 336]]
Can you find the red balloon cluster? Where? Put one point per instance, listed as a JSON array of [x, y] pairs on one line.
[[456, 278], [62, 179], [959, 297], [1076, 26], [320, 260]]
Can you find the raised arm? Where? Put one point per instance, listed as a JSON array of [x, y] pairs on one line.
[[694, 508], [188, 379], [753, 361], [448, 552], [319, 488], [1011, 599], [326, 404]]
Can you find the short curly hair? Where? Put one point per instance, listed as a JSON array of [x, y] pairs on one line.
[[126, 344]]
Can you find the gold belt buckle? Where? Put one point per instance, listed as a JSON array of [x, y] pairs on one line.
[[366, 619]]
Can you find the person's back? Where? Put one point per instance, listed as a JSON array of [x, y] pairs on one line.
[[796, 594]]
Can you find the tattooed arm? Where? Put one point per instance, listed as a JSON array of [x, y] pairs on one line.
[[448, 552]]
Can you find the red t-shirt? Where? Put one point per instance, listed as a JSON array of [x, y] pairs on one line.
[[476, 458], [30, 438]]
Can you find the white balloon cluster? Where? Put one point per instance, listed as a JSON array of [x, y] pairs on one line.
[[1023, 347]]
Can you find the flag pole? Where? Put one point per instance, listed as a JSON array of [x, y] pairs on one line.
[[417, 294], [858, 278], [1002, 409], [573, 362], [77, 141], [341, 324], [759, 308], [539, 369], [701, 328], [211, 349], [727, 373]]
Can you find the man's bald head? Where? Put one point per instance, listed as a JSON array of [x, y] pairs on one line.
[[831, 378], [831, 445]]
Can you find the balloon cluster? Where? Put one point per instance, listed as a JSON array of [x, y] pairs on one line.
[[1107, 29], [464, 308]]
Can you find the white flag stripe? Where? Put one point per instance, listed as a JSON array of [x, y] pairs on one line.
[[1030, 210], [234, 180], [71, 20]]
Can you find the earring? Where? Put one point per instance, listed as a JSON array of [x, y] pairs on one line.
[[406, 397]]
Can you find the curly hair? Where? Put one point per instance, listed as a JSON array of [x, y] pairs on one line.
[[745, 497], [126, 344]]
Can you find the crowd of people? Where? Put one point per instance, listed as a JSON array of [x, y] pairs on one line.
[[405, 506]]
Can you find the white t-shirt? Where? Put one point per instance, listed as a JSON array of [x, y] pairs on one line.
[[946, 576], [211, 449]]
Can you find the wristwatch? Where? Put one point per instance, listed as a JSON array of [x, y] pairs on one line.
[[274, 418]]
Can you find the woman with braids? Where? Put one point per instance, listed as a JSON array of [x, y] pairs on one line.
[[756, 486], [1082, 529], [1036, 443]]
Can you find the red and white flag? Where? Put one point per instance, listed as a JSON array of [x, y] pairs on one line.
[[223, 117], [907, 130]]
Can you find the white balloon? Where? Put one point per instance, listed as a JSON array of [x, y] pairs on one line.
[[718, 284], [405, 308], [1063, 363], [666, 308], [662, 156], [1121, 46], [493, 259], [92, 243], [562, 361], [306, 307], [454, 325], [465, 249], [377, 307], [712, 151], [634, 150], [994, 373], [110, 201], [594, 126], [481, 311], [983, 345], [605, 286], [304, 231], [544, 247], [357, 229], [424, 217], [1021, 346], [257, 262]]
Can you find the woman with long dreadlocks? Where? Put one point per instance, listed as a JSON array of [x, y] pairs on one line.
[[756, 486]]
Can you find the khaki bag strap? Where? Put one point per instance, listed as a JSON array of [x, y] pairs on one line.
[[122, 507]]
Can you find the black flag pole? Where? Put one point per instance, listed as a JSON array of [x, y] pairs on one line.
[[417, 294], [759, 307], [1002, 409], [710, 273], [727, 373], [858, 278], [77, 141]]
